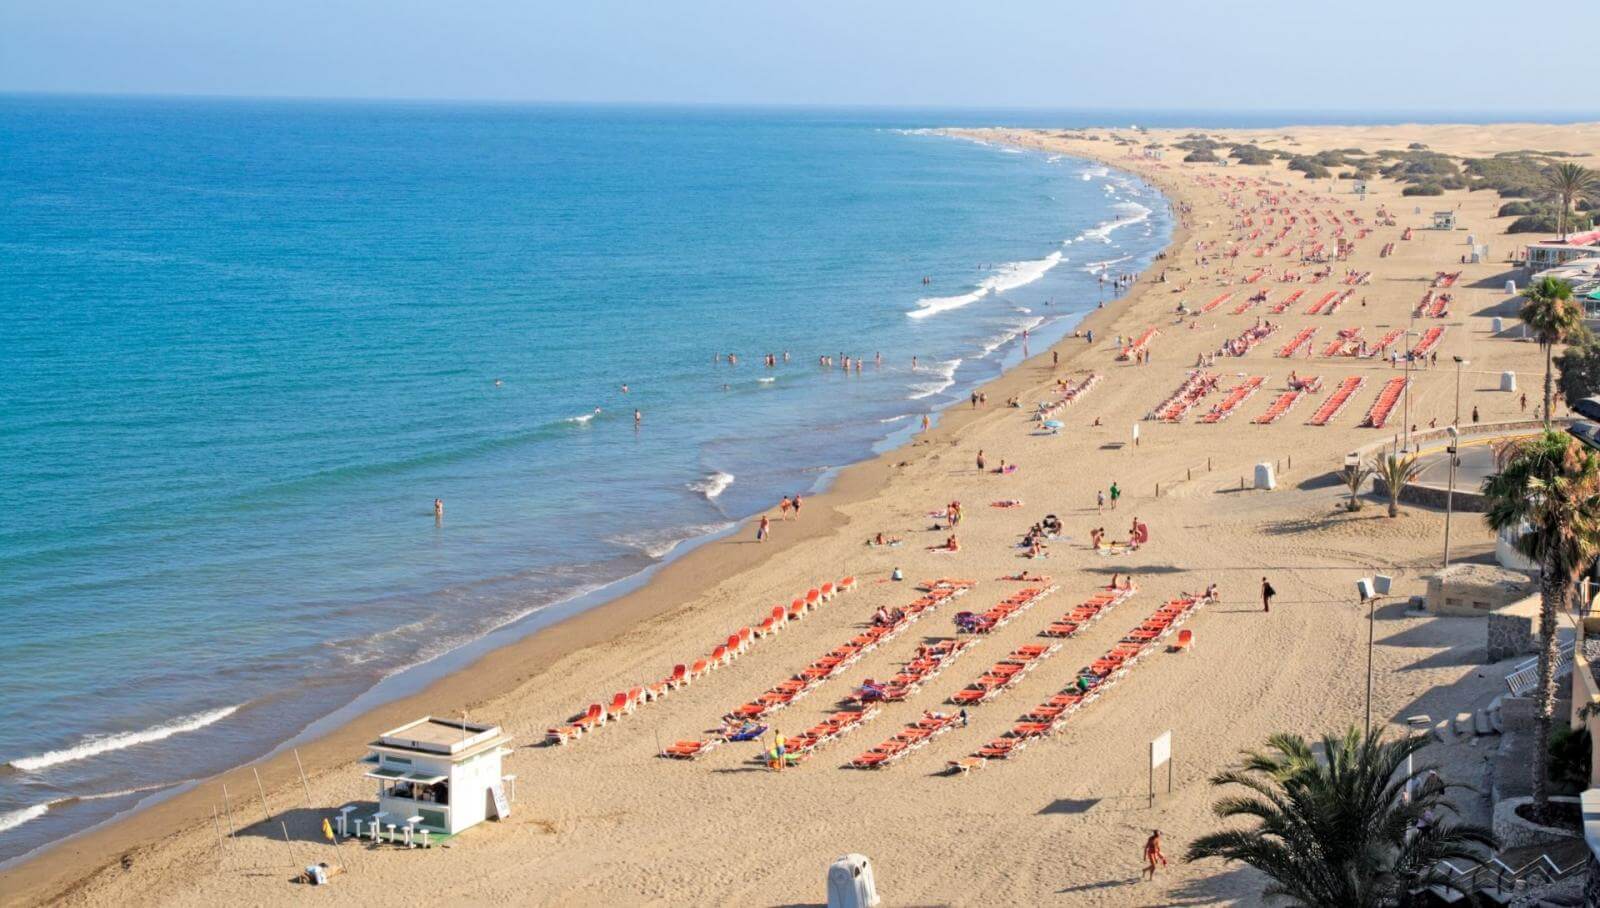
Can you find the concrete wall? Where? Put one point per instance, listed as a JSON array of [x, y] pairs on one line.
[[1584, 693]]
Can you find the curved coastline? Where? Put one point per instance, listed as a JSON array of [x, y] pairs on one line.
[[471, 675]]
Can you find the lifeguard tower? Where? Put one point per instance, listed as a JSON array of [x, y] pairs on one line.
[[1444, 220], [440, 775]]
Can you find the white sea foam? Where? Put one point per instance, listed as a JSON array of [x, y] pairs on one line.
[[1136, 214], [1007, 277], [895, 418], [713, 485], [16, 818], [946, 371], [999, 340], [95, 745], [767, 381], [580, 420], [660, 543], [1094, 267]]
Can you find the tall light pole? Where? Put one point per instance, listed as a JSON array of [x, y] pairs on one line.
[[1371, 589], [1451, 451], [1450, 490], [1407, 427]]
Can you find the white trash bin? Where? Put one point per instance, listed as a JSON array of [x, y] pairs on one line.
[[850, 883], [1264, 478], [1508, 381]]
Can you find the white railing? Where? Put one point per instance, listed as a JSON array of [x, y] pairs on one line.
[[1497, 876], [1525, 676]]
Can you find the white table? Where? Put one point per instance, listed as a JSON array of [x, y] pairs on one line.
[[344, 820], [411, 828]]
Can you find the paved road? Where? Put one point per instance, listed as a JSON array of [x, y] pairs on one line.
[[1477, 462]]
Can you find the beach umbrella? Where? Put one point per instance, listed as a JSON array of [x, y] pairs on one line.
[[1054, 424]]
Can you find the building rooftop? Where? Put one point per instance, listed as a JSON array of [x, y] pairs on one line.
[[446, 737]]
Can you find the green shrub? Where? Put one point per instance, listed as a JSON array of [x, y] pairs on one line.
[[1569, 759], [1201, 156], [1423, 189], [1545, 222], [1517, 209], [1251, 154]]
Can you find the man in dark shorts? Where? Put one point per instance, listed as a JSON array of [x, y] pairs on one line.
[[1267, 592]]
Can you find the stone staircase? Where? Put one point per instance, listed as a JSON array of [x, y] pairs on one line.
[[1465, 727]]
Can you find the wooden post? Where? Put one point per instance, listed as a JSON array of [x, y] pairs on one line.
[[303, 784], [227, 806], [263, 792]]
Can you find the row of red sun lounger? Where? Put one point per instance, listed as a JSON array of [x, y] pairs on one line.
[[623, 703], [829, 665], [1430, 339], [1101, 675], [1384, 405], [1002, 676], [1236, 396], [1432, 305], [1139, 345], [1066, 396], [1197, 385]]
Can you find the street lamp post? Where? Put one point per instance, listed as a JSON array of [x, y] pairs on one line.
[[1450, 490], [1407, 427], [1451, 452], [1371, 589]]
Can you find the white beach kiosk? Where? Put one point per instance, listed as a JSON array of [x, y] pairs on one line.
[[438, 776]]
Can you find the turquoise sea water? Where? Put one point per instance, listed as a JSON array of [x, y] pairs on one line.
[[247, 344]]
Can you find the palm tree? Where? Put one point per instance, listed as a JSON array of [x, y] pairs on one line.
[[1341, 830], [1554, 317], [1547, 489], [1397, 472], [1355, 476], [1571, 182]]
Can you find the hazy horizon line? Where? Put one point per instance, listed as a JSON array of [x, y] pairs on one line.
[[1561, 117]]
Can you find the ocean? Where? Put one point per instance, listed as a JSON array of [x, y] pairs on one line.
[[248, 343]]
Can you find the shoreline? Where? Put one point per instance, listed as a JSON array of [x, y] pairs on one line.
[[498, 670], [605, 821]]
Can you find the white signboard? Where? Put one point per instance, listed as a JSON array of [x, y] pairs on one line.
[[1160, 752], [1161, 749], [502, 806]]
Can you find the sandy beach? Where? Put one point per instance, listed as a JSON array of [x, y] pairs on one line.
[[605, 820]]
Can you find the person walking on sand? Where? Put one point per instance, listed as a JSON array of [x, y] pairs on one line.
[[797, 507], [1267, 592], [926, 422], [1474, 414], [1099, 501], [783, 507], [1115, 494], [1153, 855], [981, 461], [762, 530]]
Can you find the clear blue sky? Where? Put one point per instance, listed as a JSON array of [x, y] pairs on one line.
[[1161, 54]]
